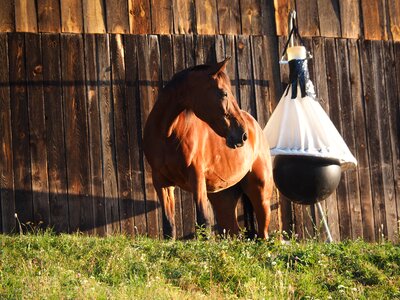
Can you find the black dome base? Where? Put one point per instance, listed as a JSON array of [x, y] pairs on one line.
[[306, 179]]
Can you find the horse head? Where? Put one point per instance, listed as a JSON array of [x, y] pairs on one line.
[[214, 103]]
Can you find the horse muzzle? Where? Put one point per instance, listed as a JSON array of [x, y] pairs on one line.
[[236, 140]]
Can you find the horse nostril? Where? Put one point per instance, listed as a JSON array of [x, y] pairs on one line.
[[244, 137]]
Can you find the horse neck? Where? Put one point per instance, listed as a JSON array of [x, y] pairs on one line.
[[168, 107]]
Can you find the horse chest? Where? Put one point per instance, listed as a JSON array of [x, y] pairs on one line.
[[222, 167]]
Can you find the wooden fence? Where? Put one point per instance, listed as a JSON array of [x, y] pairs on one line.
[[73, 105], [371, 19]]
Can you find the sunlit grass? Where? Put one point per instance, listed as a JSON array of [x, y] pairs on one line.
[[49, 266]]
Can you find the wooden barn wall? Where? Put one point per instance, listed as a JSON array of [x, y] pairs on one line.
[[369, 19], [78, 79]]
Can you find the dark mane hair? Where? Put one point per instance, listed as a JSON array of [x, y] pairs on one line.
[[179, 77]]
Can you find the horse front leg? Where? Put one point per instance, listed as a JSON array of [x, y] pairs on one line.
[[257, 185], [165, 193], [199, 188]]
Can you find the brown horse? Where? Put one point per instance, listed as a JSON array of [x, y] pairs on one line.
[[196, 137]]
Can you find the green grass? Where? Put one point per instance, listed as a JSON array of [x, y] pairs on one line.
[[49, 266]]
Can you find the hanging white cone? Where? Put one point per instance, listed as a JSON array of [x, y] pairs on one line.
[[300, 126]]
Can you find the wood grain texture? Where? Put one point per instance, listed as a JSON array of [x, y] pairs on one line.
[[56, 163], [352, 194], [95, 146], [94, 16], [37, 131], [117, 16], [329, 18], [76, 136], [361, 144], [375, 20], [107, 135], [184, 16], [162, 19], [135, 133], [48, 12], [71, 16], [229, 17], [149, 79], [251, 16], [7, 203], [350, 18], [206, 17], [282, 9], [20, 128], [139, 16], [25, 16], [396, 112], [121, 134], [394, 15], [391, 153], [307, 16], [7, 16]]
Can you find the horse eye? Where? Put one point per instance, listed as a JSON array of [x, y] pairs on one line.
[[224, 94]]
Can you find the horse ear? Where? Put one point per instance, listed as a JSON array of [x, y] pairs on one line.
[[219, 67]]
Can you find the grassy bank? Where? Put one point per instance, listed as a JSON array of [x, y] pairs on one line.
[[47, 266]]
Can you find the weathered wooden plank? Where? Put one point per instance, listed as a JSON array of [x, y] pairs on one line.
[[7, 203], [335, 111], [117, 16], [76, 137], [206, 16], [49, 18], [121, 135], [20, 128], [95, 150], [7, 16], [246, 88], [71, 16], [396, 111], [361, 152], [25, 16], [52, 90], [332, 205], [251, 17], [162, 19], [375, 21], [94, 16], [394, 15], [37, 130], [350, 17], [282, 9], [134, 134], [307, 16], [369, 58], [139, 16], [329, 18], [107, 135], [257, 17], [229, 17], [184, 19], [350, 176], [391, 154], [149, 80]]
